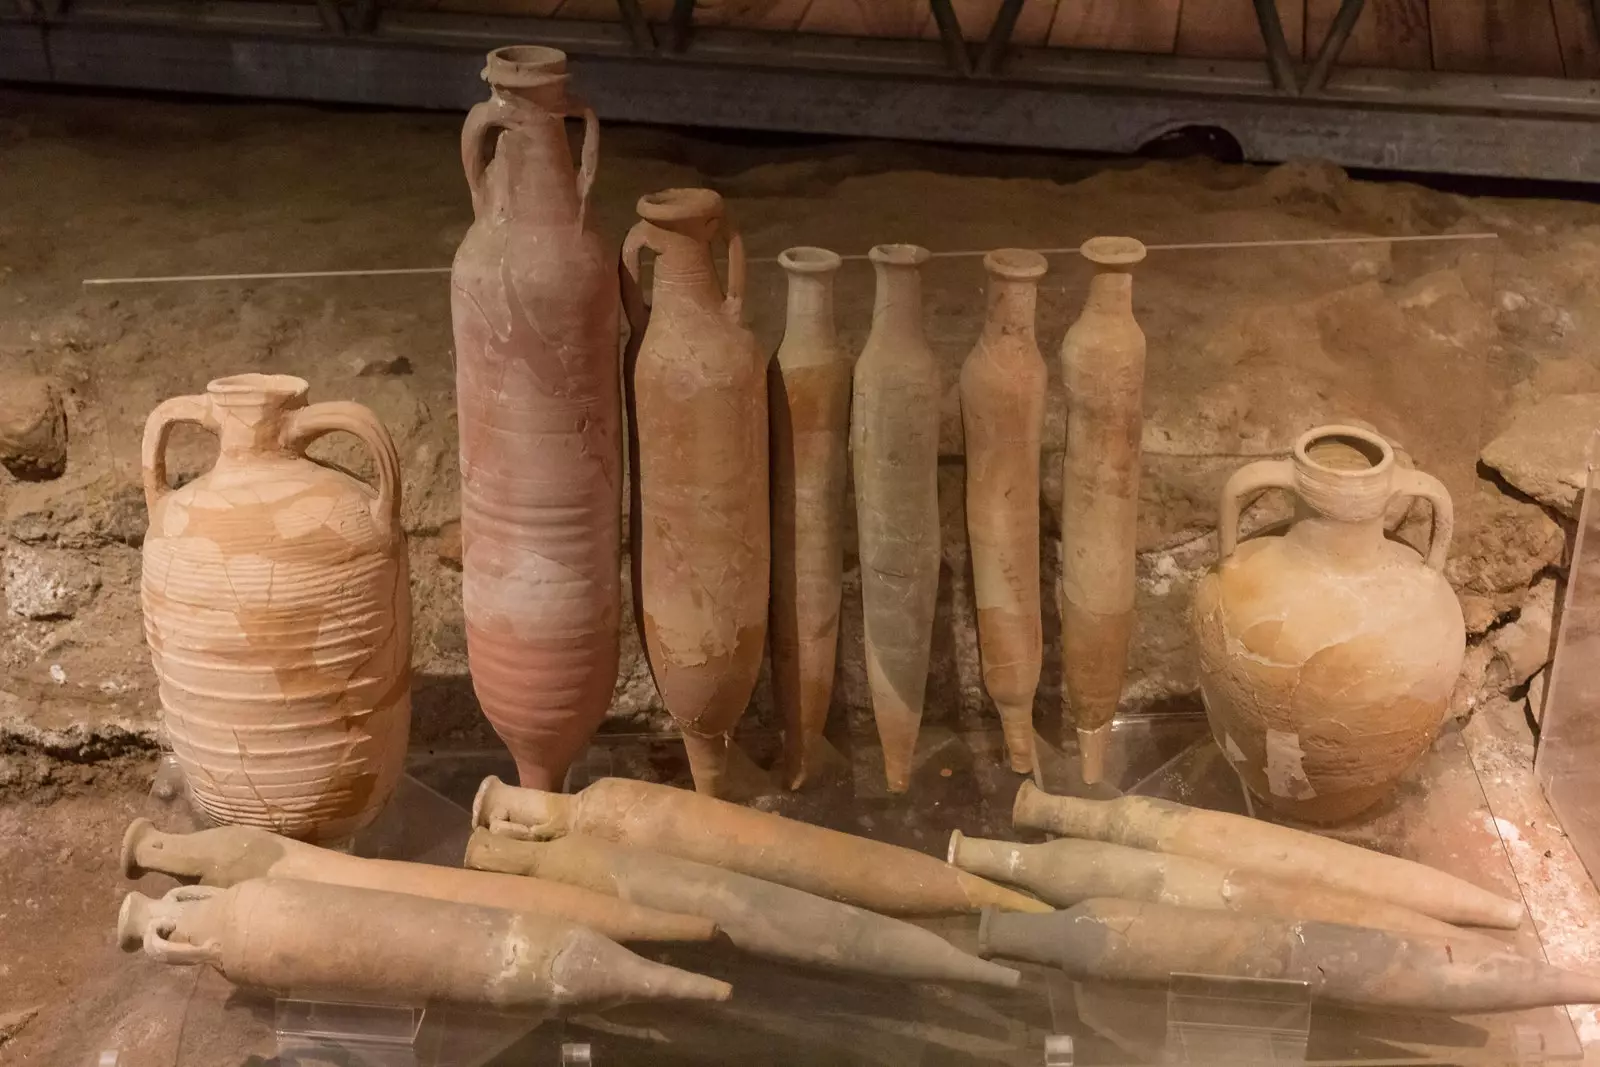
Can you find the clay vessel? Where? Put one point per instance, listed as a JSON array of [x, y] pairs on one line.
[[533, 297], [1002, 413], [308, 939], [1327, 655], [894, 449], [1243, 843], [1068, 871], [278, 611], [1122, 940], [809, 387], [853, 870], [760, 917], [229, 855], [1102, 368], [698, 408]]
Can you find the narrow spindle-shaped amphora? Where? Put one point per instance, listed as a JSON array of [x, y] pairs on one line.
[[1102, 368], [309, 939], [278, 611], [224, 856], [534, 302], [1242, 843], [1106, 939], [809, 387], [853, 870], [894, 449], [759, 916], [1002, 415], [698, 405]]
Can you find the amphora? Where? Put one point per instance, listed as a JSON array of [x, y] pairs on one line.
[[534, 303], [698, 408], [277, 611], [1327, 655]]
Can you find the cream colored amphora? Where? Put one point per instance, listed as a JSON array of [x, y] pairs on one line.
[[1327, 655], [278, 611]]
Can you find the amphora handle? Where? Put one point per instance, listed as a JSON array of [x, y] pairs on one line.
[[634, 305], [733, 303], [1246, 482], [1417, 484], [331, 416], [158, 431], [490, 118]]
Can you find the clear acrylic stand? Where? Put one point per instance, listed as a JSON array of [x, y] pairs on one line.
[[1241, 1022], [371, 1035], [1568, 760]]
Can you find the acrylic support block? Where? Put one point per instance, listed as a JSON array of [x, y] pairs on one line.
[[374, 1035], [1218, 1020]]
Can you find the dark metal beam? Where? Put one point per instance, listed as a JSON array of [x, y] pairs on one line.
[[955, 43], [993, 57], [871, 89], [1344, 20], [1279, 61]]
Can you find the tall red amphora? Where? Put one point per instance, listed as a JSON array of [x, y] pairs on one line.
[[535, 307], [278, 611], [698, 411]]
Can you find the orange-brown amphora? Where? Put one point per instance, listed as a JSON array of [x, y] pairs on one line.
[[701, 524], [535, 308], [277, 611]]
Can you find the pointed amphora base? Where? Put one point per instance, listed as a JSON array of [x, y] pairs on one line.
[[812, 760], [1017, 722], [723, 770]]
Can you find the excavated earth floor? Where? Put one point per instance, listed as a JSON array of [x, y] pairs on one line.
[[1475, 357]]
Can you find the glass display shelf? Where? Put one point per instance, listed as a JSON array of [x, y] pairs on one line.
[[784, 1014]]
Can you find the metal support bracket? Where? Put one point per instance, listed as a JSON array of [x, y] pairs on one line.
[[1279, 61], [638, 26], [955, 43], [680, 25], [1344, 20], [996, 46]]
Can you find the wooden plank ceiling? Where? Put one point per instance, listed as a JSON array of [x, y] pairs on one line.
[[1539, 37]]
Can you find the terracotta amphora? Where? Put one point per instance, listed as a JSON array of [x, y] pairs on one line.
[[227, 855], [697, 393], [535, 306], [1239, 842], [1327, 655], [894, 450], [288, 937], [1002, 415], [1070, 870], [1132, 941], [758, 916], [853, 870], [1102, 368], [809, 387], [277, 611]]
